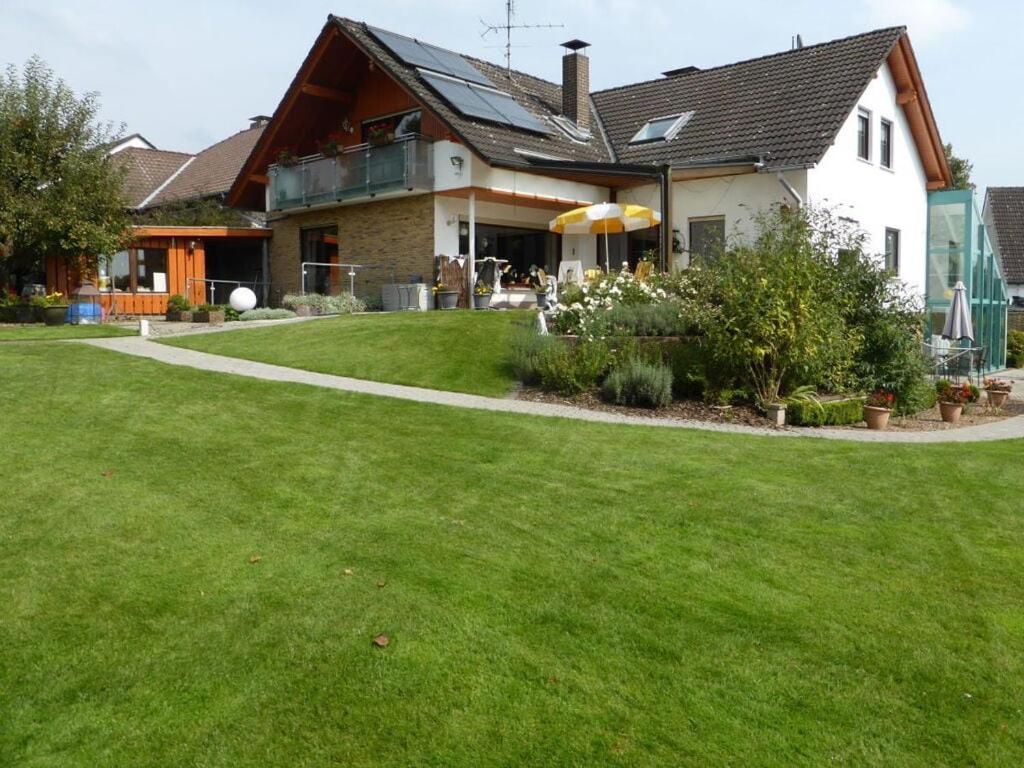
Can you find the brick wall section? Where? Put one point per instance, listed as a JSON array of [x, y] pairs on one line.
[[1015, 319], [396, 234]]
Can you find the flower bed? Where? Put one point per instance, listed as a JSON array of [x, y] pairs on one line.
[[780, 321]]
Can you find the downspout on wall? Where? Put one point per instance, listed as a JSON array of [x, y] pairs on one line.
[[665, 179], [790, 189]]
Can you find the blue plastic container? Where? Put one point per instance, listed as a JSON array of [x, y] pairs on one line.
[[87, 313]]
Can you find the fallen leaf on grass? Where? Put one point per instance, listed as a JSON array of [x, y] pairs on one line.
[[107, 473], [381, 641], [348, 571], [255, 558], [382, 584]]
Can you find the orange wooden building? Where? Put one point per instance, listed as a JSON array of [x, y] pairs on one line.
[[165, 260]]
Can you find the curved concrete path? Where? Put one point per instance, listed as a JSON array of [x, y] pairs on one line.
[[142, 347]]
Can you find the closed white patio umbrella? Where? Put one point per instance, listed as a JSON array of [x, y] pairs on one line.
[[958, 320]]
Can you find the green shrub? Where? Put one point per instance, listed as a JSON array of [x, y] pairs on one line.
[[663, 319], [917, 396], [827, 413], [569, 368], [635, 382], [266, 314], [230, 313], [1015, 349], [526, 348], [178, 303]]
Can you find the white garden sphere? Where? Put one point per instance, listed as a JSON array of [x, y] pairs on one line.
[[242, 300]]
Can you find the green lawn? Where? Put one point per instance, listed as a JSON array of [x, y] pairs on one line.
[[457, 351], [38, 332], [556, 593]]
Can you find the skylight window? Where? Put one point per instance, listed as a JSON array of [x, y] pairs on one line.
[[661, 128], [570, 129]]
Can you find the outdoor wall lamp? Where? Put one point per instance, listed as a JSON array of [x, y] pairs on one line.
[[457, 161], [191, 246]]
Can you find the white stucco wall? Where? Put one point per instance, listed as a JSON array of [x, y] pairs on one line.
[[736, 198], [871, 195]]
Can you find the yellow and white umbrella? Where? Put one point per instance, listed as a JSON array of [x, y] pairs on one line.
[[605, 218]]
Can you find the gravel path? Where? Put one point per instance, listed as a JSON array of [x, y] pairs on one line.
[[1003, 430]]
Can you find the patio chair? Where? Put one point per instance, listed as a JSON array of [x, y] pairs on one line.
[[570, 272]]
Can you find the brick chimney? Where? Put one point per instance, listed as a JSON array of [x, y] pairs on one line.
[[576, 84]]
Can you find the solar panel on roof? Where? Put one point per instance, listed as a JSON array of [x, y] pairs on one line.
[[473, 101], [418, 54]]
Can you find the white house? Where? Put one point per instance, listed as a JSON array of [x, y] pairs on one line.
[[395, 156]]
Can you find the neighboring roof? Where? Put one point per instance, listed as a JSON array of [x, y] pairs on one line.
[[1004, 207], [134, 140], [494, 142], [787, 107], [147, 169], [213, 170]]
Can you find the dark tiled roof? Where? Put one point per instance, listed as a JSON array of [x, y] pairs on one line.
[[213, 170], [788, 106], [147, 169], [494, 142], [1005, 207]]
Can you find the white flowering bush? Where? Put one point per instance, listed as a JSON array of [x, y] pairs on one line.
[[619, 304]]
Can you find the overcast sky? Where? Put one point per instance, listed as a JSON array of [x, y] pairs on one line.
[[187, 73]]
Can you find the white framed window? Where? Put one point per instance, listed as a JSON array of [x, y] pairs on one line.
[[864, 134], [885, 144], [662, 128], [892, 250]]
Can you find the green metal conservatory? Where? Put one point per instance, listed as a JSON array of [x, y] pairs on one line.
[[959, 249]]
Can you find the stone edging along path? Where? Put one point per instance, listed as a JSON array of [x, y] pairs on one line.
[[141, 347]]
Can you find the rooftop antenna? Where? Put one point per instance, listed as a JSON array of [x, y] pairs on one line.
[[507, 27], [796, 42]]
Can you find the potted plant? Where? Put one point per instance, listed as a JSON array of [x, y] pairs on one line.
[[878, 408], [482, 295], [539, 280], [286, 157], [331, 146], [952, 400], [178, 309], [997, 391], [446, 298], [208, 313], [379, 134], [55, 309]]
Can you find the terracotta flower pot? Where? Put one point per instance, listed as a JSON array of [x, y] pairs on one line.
[[877, 418], [951, 412], [997, 397]]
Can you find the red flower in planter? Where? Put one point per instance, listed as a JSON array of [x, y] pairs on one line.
[[881, 398]]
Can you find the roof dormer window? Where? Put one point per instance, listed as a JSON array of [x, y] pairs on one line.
[[570, 129], [662, 128]]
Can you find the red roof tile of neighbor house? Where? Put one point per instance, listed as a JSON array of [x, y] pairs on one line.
[[1005, 206], [212, 171], [146, 170]]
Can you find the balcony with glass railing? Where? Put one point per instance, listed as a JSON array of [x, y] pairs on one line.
[[360, 172]]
